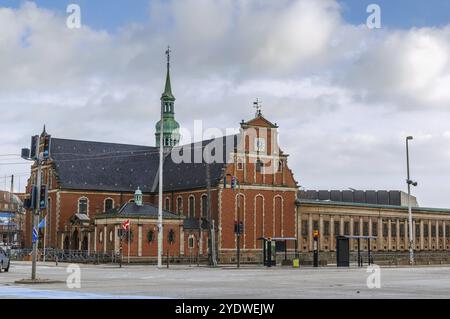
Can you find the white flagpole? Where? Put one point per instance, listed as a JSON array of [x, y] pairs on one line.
[[45, 235], [129, 240]]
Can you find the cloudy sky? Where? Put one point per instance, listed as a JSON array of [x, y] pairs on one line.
[[345, 96]]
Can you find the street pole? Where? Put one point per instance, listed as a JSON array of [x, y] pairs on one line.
[[129, 241], [410, 222], [239, 226], [45, 237], [211, 242], [10, 215], [35, 219]]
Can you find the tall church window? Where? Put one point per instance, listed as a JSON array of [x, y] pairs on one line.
[[259, 166], [204, 206], [167, 207], [180, 205], [191, 207], [240, 164], [83, 206], [109, 204], [280, 166]]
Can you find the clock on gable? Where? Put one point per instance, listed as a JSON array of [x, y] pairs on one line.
[[260, 144]]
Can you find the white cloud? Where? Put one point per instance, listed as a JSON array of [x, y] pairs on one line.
[[344, 96]]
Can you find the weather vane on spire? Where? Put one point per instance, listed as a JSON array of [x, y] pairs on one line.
[[258, 106], [168, 51]]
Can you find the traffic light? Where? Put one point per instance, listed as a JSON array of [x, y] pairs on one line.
[[33, 199], [238, 227], [47, 145], [241, 227], [34, 147], [43, 197], [233, 182]]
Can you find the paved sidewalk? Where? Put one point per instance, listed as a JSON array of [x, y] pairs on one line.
[[140, 281]]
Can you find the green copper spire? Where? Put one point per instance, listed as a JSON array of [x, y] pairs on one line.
[[168, 88], [171, 136]]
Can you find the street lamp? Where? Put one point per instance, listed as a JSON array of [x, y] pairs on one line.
[[26, 155], [409, 182]]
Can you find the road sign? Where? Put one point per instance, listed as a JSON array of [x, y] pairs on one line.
[[35, 235]]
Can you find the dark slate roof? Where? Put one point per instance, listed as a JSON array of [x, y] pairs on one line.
[[189, 174], [132, 210], [104, 166], [85, 165], [381, 197]]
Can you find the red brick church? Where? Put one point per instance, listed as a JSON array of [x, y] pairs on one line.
[[94, 187]]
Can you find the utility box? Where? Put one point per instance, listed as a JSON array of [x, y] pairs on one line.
[[342, 251]]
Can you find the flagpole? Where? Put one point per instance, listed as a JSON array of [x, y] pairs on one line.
[[45, 235], [129, 240]]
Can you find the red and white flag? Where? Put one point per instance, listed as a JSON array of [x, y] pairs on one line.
[[126, 225]]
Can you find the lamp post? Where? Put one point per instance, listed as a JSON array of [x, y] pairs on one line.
[[36, 205], [409, 182]]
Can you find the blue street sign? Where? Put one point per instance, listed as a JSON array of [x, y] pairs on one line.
[[35, 235]]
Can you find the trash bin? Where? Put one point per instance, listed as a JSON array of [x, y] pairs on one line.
[[342, 251], [296, 263]]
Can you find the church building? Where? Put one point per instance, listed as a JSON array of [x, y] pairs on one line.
[[241, 180]]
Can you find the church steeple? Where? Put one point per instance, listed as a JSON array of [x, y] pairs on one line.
[[167, 95], [171, 136]]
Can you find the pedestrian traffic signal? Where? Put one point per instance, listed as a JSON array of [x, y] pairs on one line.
[[43, 197]]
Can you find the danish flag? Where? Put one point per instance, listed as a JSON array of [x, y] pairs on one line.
[[126, 225]]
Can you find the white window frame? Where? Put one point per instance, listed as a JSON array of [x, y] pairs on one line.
[[87, 205], [104, 204]]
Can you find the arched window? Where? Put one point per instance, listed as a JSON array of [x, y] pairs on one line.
[[259, 166], [109, 204], [204, 206], [171, 236], [150, 236], [240, 164], [191, 242], [191, 207], [101, 236], [83, 206], [180, 205], [167, 207], [280, 166]]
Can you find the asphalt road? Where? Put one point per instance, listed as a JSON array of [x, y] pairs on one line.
[[184, 282]]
